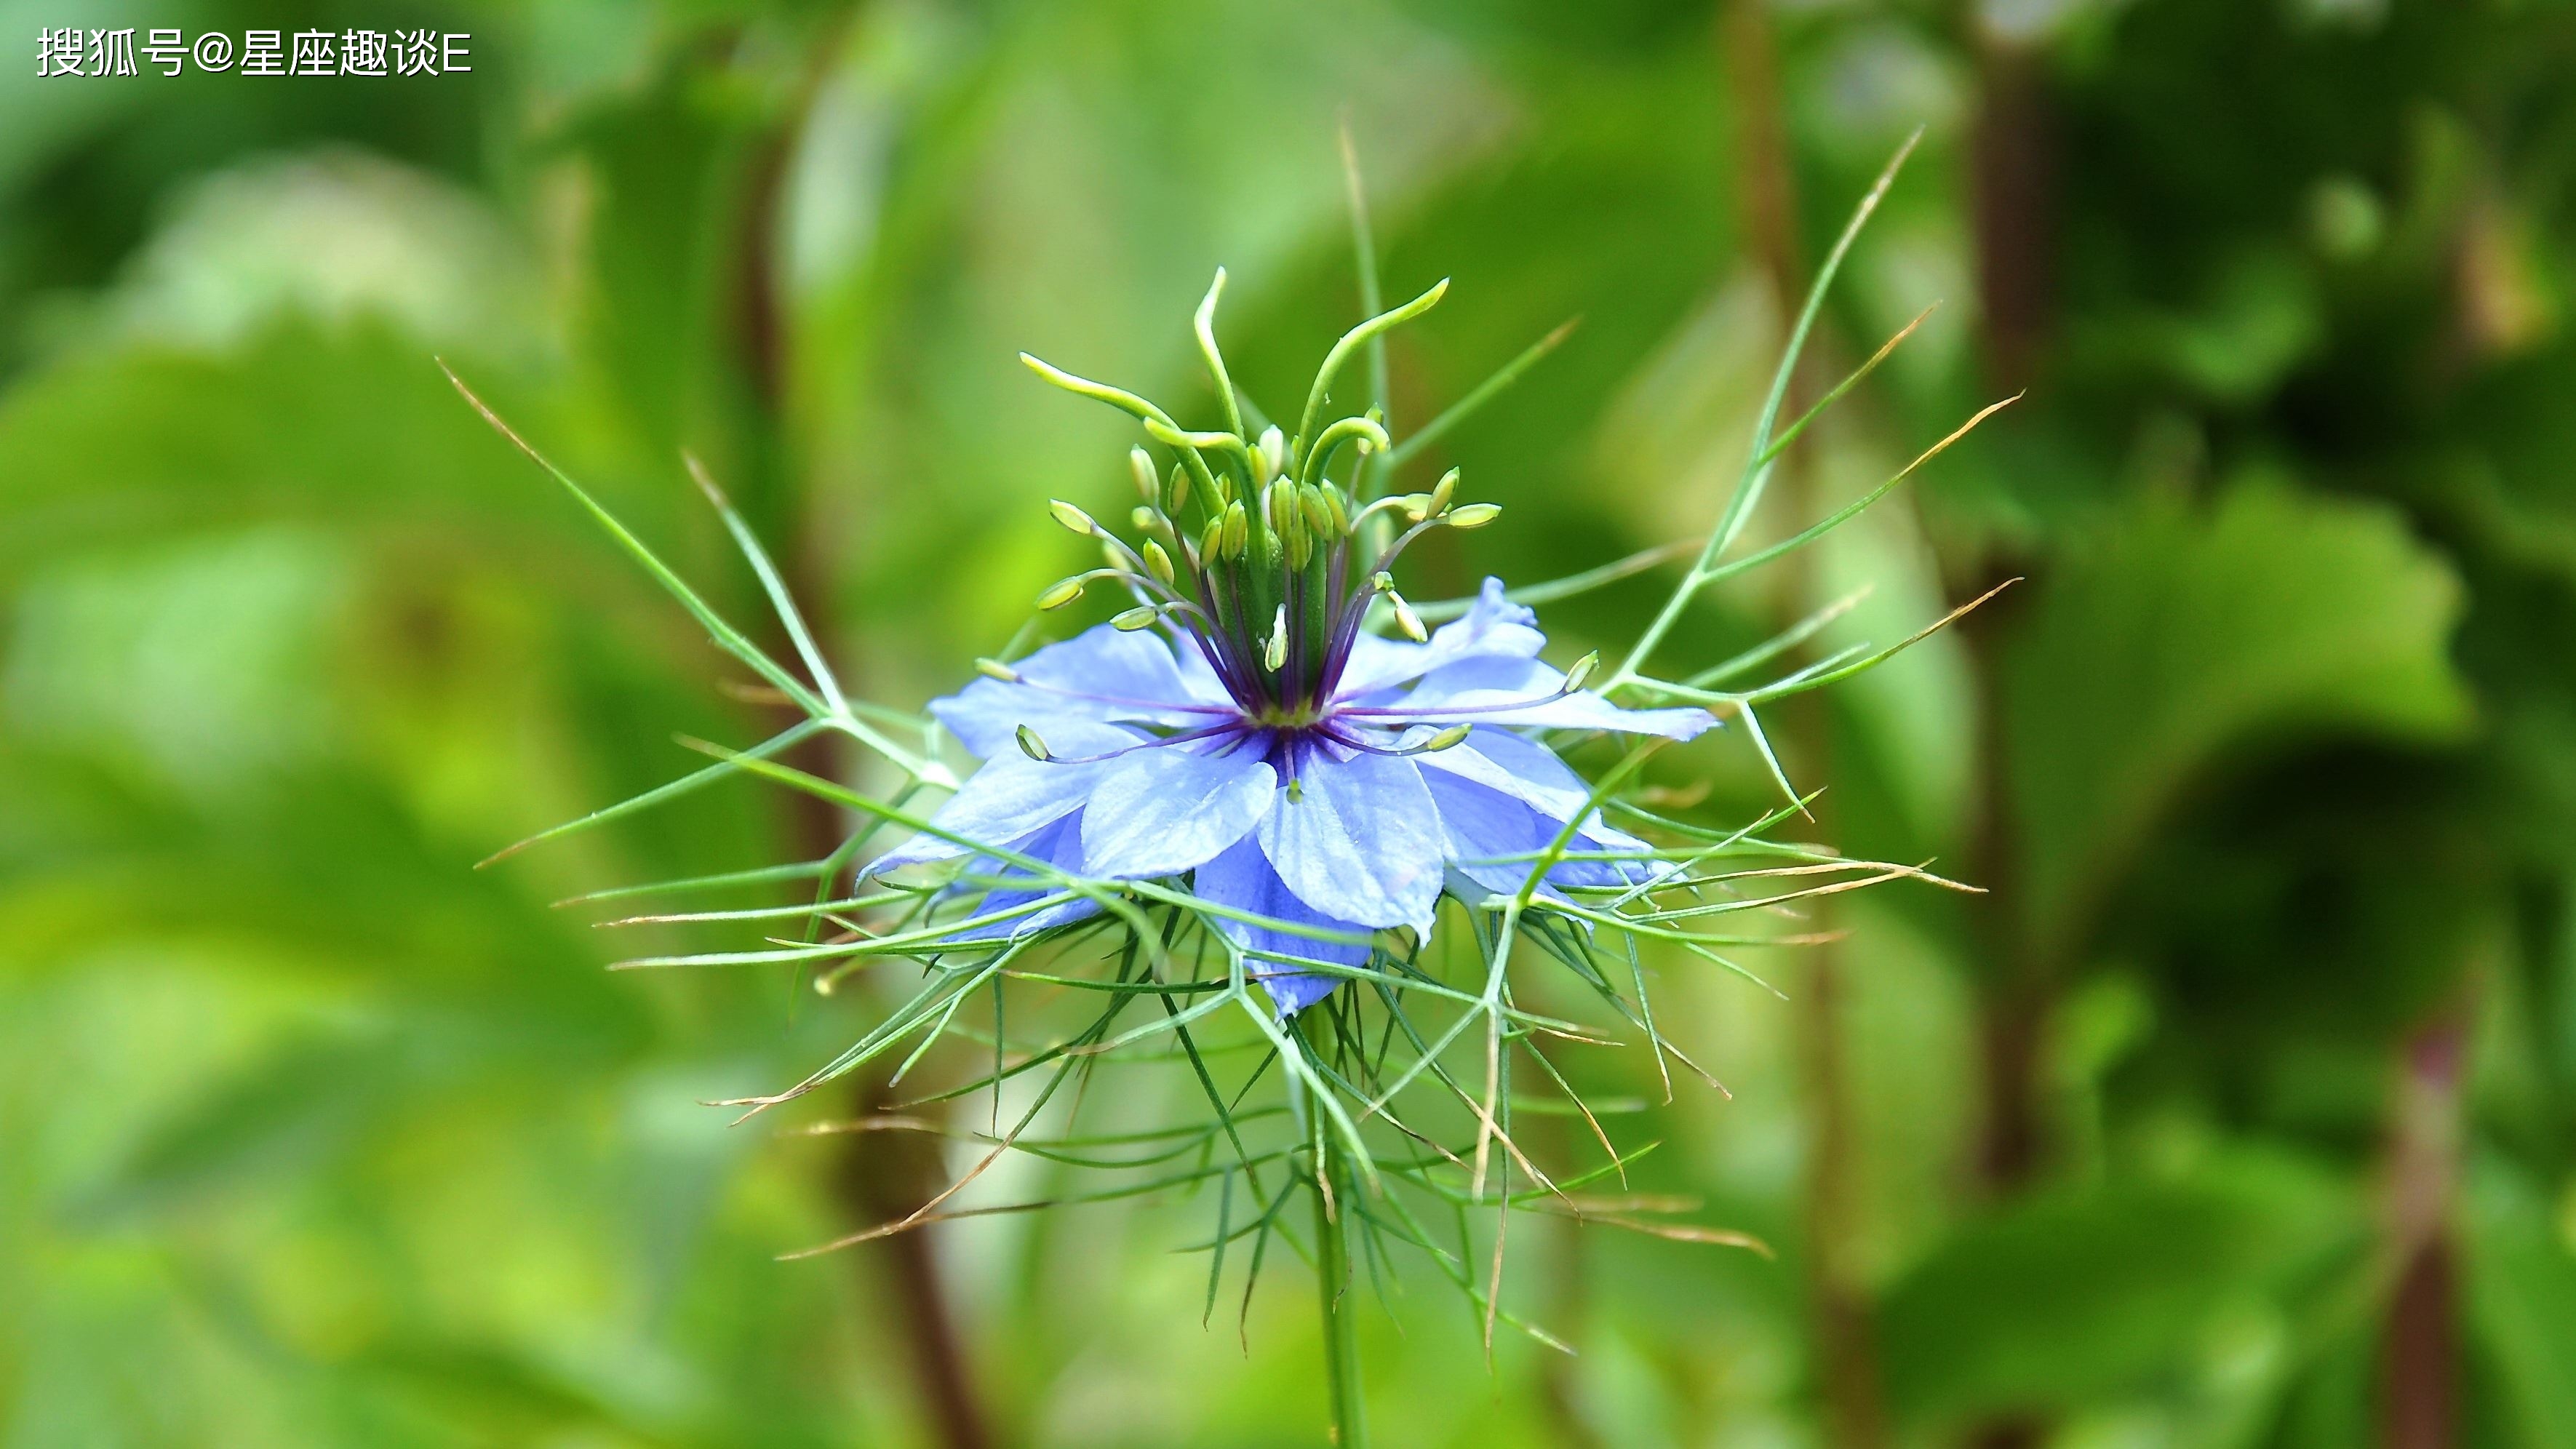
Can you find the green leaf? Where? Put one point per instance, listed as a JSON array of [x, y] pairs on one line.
[[2522, 1301], [2070, 1299], [2188, 638]]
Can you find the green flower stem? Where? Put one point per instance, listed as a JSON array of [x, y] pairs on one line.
[[1347, 1426]]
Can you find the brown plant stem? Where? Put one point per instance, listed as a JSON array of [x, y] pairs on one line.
[[2015, 990], [2012, 169], [2419, 1343], [2012, 175], [883, 1176], [1840, 1314]]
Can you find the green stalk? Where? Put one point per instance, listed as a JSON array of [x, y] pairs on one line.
[[1347, 1426]]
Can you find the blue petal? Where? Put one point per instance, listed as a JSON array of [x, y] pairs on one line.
[[1240, 877], [1161, 811], [1486, 674], [1012, 796], [1483, 825], [1531, 773], [1471, 689], [1059, 845], [1358, 839], [1493, 625], [1377, 665], [1099, 674]]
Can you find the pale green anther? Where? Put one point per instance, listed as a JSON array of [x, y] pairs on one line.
[[1157, 562], [1274, 446], [1112, 555], [1382, 582], [1440, 492], [1416, 506], [1446, 738], [1143, 465], [1180, 489], [1261, 462], [996, 669], [1473, 515], [1294, 537], [1238, 529], [1032, 746], [1061, 592], [1140, 617], [1407, 620], [1072, 517], [1319, 516], [1340, 511], [1582, 670], [1211, 538], [1142, 517], [1276, 654]]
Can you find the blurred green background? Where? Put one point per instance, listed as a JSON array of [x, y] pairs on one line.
[[2238, 1113]]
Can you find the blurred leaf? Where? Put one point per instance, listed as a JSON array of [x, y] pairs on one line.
[[2256, 321], [351, 424], [199, 658], [333, 237], [2072, 1298], [2187, 638], [2522, 1301]]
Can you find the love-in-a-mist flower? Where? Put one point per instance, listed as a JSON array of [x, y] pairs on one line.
[[1243, 727]]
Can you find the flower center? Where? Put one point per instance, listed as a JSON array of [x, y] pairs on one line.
[[1286, 718]]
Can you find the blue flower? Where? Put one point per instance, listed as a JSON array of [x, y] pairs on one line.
[[1323, 777]]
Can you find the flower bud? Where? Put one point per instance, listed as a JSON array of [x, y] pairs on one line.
[[1446, 738], [1061, 593], [1031, 745], [1440, 493], [1157, 562], [1072, 517], [1474, 515], [1130, 620], [1582, 671], [996, 669], [1274, 447], [1142, 464]]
